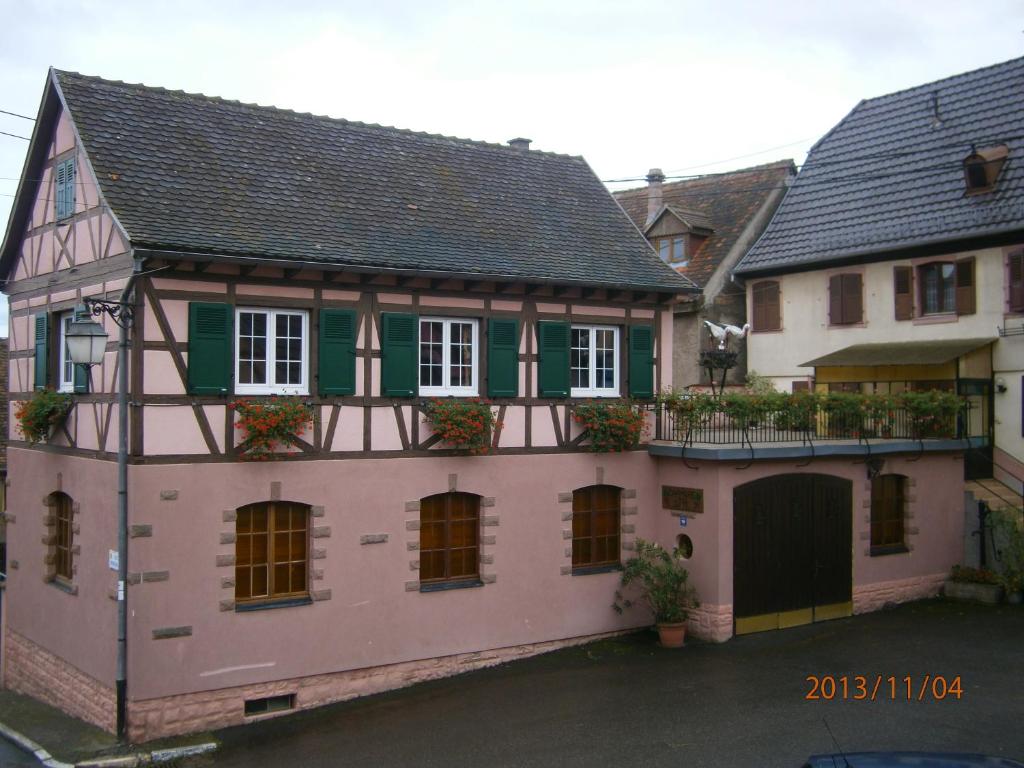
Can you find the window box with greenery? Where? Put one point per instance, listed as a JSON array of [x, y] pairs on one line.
[[611, 427], [268, 424], [664, 585], [463, 424], [975, 585], [41, 415]]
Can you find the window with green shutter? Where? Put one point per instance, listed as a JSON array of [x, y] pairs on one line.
[[503, 357], [399, 333], [65, 188], [337, 352], [641, 361], [553, 368], [42, 351], [210, 348]]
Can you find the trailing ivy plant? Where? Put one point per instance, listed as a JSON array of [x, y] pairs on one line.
[[46, 410], [611, 426], [268, 424], [462, 423]]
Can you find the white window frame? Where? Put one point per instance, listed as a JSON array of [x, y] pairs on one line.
[[446, 335], [270, 388], [592, 391], [64, 359]]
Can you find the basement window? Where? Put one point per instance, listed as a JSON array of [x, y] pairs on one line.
[[982, 167], [269, 704]]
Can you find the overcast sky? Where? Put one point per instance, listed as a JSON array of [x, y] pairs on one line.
[[691, 87]]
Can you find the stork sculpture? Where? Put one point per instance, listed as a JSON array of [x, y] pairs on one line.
[[720, 358], [721, 333]]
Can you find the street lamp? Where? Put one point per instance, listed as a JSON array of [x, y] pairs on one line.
[[87, 343]]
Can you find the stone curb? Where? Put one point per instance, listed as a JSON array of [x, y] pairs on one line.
[[28, 745], [122, 761]]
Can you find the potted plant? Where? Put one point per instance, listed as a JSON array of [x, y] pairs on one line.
[[664, 585], [39, 416], [463, 423], [612, 426], [268, 423], [977, 585]]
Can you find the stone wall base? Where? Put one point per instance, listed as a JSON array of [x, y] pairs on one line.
[[874, 597], [34, 671], [711, 622], [207, 710]]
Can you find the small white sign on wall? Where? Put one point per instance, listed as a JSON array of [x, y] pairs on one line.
[[113, 562], [682, 522]]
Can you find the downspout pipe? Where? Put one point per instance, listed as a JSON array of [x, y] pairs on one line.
[[122, 506]]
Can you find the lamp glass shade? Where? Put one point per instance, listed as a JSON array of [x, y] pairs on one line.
[[87, 342]]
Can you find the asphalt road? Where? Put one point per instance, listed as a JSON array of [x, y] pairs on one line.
[[629, 702], [12, 757]]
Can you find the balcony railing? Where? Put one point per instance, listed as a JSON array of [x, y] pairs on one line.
[[723, 425]]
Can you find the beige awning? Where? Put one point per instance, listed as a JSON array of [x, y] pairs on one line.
[[900, 353]]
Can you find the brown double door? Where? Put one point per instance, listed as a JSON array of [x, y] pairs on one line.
[[792, 551]]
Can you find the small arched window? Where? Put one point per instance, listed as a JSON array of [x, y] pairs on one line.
[[271, 551], [449, 538], [596, 510]]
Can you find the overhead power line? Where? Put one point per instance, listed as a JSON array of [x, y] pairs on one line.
[[15, 114], [15, 136]]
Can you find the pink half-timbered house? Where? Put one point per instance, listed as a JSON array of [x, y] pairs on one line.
[[362, 270]]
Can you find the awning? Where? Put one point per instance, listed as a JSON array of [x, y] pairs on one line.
[[900, 353]]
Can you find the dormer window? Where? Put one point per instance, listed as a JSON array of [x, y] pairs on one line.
[[672, 250], [982, 167]]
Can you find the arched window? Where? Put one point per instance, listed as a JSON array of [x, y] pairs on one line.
[[888, 505], [449, 538], [595, 526], [62, 525], [271, 551]]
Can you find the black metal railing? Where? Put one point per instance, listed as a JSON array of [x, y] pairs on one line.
[[720, 427]]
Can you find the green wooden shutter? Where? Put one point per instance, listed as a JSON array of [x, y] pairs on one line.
[[399, 335], [42, 351], [81, 378], [502, 357], [553, 370], [337, 352], [61, 188], [641, 361], [210, 348]]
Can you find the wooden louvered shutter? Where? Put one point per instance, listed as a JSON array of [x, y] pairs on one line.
[[835, 300], [965, 286], [42, 351], [767, 315], [337, 357], [81, 379], [59, 190], [502, 357], [1016, 276], [399, 334], [641, 361], [553, 369], [903, 289], [210, 348], [853, 302]]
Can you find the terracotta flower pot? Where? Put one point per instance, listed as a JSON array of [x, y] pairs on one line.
[[672, 635]]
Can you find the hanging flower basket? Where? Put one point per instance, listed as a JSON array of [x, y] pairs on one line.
[[268, 424], [41, 415], [463, 424]]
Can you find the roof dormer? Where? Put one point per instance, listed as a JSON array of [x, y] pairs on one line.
[[982, 167], [677, 233]]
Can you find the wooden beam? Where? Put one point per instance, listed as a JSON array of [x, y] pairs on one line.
[[289, 274], [201, 266], [505, 287], [437, 282], [248, 269], [563, 290], [588, 293]]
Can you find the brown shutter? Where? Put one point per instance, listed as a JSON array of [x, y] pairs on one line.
[[835, 300], [758, 307], [965, 286], [772, 313], [903, 284], [1016, 269], [853, 302]]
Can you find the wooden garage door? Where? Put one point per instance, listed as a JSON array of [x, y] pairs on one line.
[[792, 551]]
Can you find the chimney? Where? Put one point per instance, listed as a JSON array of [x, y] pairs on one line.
[[654, 180], [519, 144]]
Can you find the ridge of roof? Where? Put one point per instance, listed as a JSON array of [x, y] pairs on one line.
[[931, 85], [284, 111], [774, 165]]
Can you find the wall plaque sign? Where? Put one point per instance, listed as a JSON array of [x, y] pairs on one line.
[[688, 500]]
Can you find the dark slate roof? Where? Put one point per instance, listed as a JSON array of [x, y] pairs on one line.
[[932, 352], [890, 175], [194, 173], [728, 202]]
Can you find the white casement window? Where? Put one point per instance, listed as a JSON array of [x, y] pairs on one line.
[[594, 361], [449, 351], [271, 352], [66, 369]]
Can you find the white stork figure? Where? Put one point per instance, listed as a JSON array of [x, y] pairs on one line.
[[719, 332], [739, 333]]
